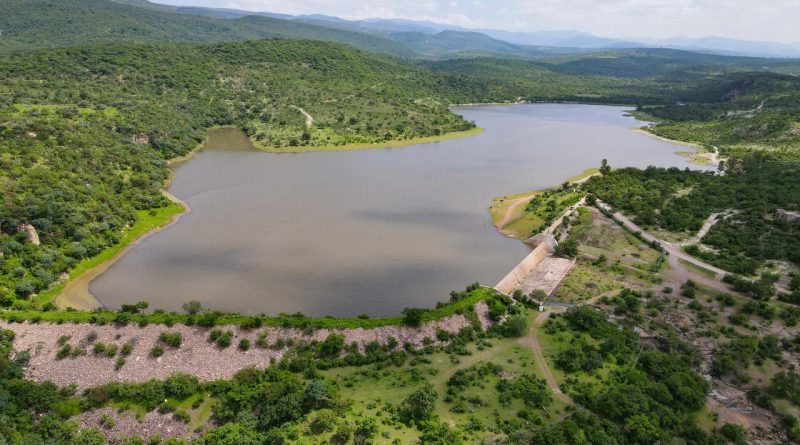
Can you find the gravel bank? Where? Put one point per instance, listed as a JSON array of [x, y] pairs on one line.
[[126, 425], [195, 356]]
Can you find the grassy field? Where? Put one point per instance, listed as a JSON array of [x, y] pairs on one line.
[[372, 389], [522, 220], [539, 211], [628, 262], [583, 282], [501, 204], [697, 269], [554, 342]]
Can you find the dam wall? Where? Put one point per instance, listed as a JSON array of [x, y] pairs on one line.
[[524, 268]]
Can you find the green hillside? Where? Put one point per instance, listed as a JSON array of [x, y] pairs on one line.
[[452, 43], [57, 23]]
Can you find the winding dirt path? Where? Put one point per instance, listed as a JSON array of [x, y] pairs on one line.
[[508, 216], [309, 118], [707, 225], [674, 251], [532, 341]]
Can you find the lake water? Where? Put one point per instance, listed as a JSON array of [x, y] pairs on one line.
[[369, 231]]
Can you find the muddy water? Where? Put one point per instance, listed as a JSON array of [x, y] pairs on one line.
[[370, 231]]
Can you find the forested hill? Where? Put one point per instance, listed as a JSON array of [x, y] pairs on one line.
[[29, 24]]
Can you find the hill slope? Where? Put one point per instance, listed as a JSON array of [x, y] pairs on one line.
[[58, 23]]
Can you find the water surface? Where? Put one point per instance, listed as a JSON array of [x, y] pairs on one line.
[[370, 231]]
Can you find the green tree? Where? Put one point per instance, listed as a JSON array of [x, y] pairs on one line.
[[604, 167], [440, 434], [419, 405], [231, 434], [568, 247], [365, 431], [412, 316]]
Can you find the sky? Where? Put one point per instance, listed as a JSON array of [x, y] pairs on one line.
[[756, 20]]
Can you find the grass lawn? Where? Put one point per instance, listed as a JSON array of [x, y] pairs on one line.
[[552, 344], [523, 222], [695, 268], [370, 388], [585, 281]]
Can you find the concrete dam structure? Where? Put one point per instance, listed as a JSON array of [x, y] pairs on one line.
[[545, 247]]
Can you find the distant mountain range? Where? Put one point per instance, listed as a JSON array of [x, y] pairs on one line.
[[403, 29], [577, 39], [52, 23]]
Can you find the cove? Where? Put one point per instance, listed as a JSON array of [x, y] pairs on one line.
[[369, 231]]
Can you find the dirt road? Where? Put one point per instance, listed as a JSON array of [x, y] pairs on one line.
[[309, 119], [707, 225], [674, 251], [532, 341], [516, 203]]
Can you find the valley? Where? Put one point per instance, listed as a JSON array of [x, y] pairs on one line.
[[226, 227]]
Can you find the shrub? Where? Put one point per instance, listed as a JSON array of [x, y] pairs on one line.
[[515, 326], [62, 340], [181, 416], [192, 307], [171, 339], [323, 421], [419, 405], [689, 289], [156, 351], [181, 385], [107, 421], [221, 338], [412, 316], [244, 344], [111, 350], [91, 337], [99, 348], [332, 346], [262, 341], [64, 352]]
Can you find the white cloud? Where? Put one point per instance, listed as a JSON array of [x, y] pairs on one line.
[[777, 20]]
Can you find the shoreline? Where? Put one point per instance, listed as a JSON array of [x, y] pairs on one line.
[[366, 146], [76, 293], [191, 153], [700, 152], [502, 208]]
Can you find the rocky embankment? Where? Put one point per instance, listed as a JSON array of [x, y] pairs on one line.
[[196, 355]]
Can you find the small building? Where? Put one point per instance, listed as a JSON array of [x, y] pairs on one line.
[[787, 215]]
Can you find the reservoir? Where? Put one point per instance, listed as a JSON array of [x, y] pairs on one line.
[[367, 231]]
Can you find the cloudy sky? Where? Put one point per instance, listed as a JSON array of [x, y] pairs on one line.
[[768, 20]]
